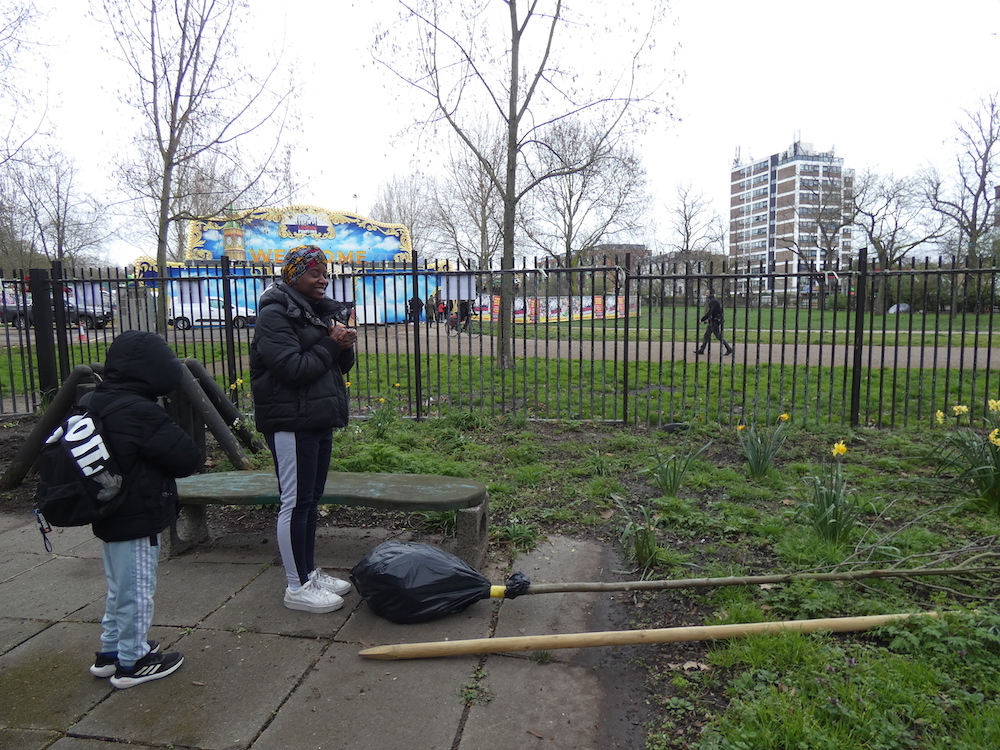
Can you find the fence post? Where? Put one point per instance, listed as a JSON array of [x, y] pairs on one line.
[[61, 320], [45, 346], [417, 383], [860, 296], [625, 362], [228, 329]]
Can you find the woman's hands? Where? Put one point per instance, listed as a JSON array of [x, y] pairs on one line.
[[346, 337]]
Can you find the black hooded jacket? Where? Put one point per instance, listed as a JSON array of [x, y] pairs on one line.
[[151, 450], [296, 369]]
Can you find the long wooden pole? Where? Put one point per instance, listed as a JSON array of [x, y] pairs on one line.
[[626, 637]]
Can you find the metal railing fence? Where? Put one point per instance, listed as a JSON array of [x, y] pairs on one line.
[[613, 341]]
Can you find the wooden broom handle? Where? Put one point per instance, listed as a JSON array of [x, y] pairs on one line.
[[626, 637]]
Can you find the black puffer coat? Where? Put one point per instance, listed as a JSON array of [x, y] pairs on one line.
[[150, 448], [296, 369]]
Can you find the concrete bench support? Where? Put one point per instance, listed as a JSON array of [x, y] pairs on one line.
[[404, 492]]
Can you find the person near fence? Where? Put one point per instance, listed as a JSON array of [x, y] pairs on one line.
[[299, 356], [151, 450], [464, 313], [713, 318], [415, 306]]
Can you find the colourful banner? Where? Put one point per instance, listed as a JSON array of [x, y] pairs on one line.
[[265, 235]]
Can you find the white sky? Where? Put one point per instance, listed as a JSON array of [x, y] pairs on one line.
[[882, 82]]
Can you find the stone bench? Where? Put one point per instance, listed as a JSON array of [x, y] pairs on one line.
[[405, 492]]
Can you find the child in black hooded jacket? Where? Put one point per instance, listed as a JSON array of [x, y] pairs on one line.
[[151, 450]]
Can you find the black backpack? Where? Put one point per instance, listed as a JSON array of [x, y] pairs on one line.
[[79, 481]]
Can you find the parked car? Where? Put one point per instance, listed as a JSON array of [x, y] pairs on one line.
[[208, 311], [15, 313]]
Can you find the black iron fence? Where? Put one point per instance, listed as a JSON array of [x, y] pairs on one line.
[[613, 342]]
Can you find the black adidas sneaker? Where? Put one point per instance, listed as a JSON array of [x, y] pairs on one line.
[[149, 667]]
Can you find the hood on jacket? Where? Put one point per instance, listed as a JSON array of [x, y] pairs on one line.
[[141, 361]]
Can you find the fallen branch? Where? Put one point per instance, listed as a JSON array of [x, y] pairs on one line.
[[970, 567]]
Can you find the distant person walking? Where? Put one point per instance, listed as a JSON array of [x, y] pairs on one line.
[[714, 319]]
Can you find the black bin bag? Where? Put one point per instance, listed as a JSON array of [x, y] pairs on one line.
[[408, 582]]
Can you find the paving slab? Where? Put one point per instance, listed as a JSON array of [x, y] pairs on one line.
[[15, 630], [44, 682], [348, 703], [25, 537], [223, 695], [27, 739], [527, 704], [75, 743], [259, 607], [182, 598], [54, 589], [560, 559]]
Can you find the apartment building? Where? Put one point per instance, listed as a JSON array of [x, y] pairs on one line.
[[791, 211]]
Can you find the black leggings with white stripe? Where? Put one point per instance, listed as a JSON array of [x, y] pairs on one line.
[[301, 461]]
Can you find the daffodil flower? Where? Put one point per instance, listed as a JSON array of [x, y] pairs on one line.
[[347, 384], [784, 417], [960, 409], [939, 416], [995, 437], [741, 427], [994, 404], [839, 449]]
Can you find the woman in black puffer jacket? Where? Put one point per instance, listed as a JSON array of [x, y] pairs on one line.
[[298, 359]]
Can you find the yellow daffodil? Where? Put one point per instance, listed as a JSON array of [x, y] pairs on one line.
[[839, 449], [939, 416], [784, 417], [348, 384], [995, 437], [741, 427], [960, 409], [232, 387], [239, 381], [995, 404], [396, 385], [381, 400]]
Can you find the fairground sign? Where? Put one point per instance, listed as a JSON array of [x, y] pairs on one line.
[[264, 236]]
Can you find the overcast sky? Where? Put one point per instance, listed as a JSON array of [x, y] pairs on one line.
[[882, 82]]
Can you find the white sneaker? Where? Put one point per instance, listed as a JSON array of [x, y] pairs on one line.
[[312, 598], [329, 583]]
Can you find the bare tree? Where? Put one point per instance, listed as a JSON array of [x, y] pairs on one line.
[[576, 210], [16, 247], [408, 201], [892, 214], [696, 232], [198, 100], [468, 208], [65, 223], [17, 20], [468, 65], [825, 210], [966, 198]]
